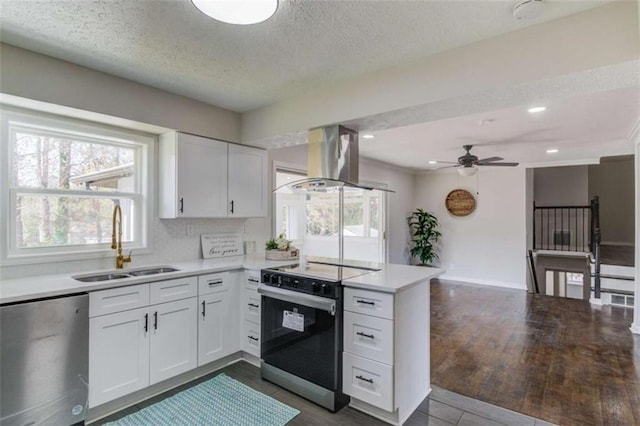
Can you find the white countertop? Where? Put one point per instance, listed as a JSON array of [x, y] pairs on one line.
[[391, 278]]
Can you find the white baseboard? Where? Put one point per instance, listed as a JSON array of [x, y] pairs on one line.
[[518, 286], [635, 328], [597, 302]]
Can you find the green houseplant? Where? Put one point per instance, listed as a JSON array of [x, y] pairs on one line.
[[423, 226]]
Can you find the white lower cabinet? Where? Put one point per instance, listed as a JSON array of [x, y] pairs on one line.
[[173, 340], [218, 316], [118, 355], [386, 351], [251, 302], [132, 349]]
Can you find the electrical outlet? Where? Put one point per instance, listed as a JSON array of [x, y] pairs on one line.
[[190, 230], [249, 247]]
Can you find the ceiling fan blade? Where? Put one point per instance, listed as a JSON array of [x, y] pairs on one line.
[[490, 159], [446, 162], [498, 164], [446, 167]]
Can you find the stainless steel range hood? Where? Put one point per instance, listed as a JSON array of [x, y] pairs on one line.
[[332, 161]]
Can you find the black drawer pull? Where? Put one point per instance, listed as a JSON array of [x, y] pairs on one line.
[[253, 305], [366, 302], [364, 379], [370, 336], [253, 280], [216, 282], [253, 338]]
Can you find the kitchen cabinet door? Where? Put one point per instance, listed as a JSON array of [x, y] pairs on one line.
[[212, 326], [173, 344], [193, 176], [247, 181], [118, 355]]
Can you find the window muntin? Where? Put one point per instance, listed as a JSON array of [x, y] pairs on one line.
[[64, 179]]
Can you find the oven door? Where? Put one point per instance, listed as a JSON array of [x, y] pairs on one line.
[[300, 335]]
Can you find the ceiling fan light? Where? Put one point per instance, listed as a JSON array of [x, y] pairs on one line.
[[238, 12], [467, 171]]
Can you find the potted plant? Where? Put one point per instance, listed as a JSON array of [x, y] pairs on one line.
[[280, 248], [423, 226]]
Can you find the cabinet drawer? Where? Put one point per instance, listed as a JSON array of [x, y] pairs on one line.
[[368, 336], [253, 280], [368, 302], [170, 290], [251, 338], [118, 299], [212, 283], [368, 381], [251, 306]]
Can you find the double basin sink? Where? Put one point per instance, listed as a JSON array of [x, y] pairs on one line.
[[117, 275]]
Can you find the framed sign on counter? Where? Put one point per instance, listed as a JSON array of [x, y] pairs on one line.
[[221, 245], [460, 202]]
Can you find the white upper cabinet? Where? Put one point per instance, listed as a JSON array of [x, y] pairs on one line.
[[193, 176], [202, 177], [247, 181]]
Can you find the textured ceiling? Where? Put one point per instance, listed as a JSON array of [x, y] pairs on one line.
[[582, 128], [307, 44]]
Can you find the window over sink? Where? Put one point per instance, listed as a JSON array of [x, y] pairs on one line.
[[61, 179]]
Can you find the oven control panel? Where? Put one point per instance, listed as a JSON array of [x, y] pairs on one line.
[[301, 284]]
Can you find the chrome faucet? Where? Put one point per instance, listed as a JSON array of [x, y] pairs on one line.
[[116, 239]]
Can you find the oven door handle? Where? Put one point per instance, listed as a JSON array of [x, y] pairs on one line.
[[303, 299]]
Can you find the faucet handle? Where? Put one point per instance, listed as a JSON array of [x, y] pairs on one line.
[[128, 258]]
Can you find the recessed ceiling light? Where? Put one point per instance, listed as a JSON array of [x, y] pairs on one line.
[[239, 12], [368, 136], [552, 151], [534, 110], [433, 162]]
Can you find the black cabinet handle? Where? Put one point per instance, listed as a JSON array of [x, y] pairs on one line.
[[253, 338], [365, 302], [155, 320], [253, 280], [203, 308], [253, 305], [181, 208], [370, 336], [231, 206], [365, 379], [146, 323], [214, 282]]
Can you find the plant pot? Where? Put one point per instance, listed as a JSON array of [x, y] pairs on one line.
[[282, 254]]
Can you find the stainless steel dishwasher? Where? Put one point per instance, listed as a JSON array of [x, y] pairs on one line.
[[44, 361]]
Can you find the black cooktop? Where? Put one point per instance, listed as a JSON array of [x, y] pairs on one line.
[[322, 271]]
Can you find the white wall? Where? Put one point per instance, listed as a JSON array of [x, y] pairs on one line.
[[399, 204], [561, 186], [43, 78], [488, 246]]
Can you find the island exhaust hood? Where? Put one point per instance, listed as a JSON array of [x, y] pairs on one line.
[[332, 161]]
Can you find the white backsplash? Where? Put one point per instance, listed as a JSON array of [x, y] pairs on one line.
[[171, 244]]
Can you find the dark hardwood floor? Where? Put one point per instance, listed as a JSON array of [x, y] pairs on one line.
[[560, 360]]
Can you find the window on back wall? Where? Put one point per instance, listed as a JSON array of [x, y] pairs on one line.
[[63, 178]]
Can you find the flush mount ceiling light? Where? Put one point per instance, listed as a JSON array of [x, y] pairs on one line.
[[467, 171], [368, 136], [239, 12], [534, 110], [433, 162], [552, 151]]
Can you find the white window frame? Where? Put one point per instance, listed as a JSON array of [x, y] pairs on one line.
[[285, 167], [145, 145]]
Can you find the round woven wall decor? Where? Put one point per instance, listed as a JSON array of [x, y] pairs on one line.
[[460, 202]]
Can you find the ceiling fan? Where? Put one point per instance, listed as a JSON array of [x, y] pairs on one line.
[[468, 162]]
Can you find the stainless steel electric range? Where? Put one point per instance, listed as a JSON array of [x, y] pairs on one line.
[[301, 326]]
